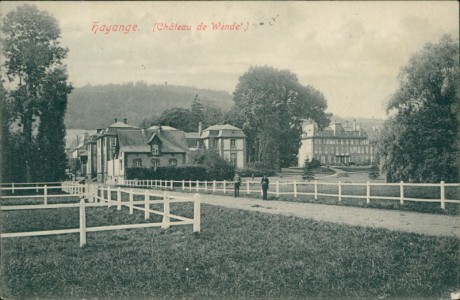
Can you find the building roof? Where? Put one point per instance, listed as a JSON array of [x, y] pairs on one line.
[[163, 127], [172, 140], [133, 141], [225, 130], [137, 140]]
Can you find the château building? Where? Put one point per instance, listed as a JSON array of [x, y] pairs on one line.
[[336, 144]]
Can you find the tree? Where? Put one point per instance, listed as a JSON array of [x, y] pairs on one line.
[[216, 166], [419, 142], [180, 118], [270, 105], [307, 170], [33, 62], [374, 171]]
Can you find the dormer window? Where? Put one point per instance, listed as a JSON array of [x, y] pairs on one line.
[[155, 149]]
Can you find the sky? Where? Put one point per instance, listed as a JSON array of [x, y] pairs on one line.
[[350, 51]]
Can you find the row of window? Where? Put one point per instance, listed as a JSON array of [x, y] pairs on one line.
[[340, 142], [332, 150], [137, 162]]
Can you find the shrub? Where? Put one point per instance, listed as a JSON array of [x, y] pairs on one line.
[[249, 172]]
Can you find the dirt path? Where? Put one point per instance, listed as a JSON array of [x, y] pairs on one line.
[[428, 224]]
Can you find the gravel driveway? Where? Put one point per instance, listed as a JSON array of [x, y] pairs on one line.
[[421, 223]]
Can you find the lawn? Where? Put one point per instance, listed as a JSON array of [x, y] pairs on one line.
[[238, 254]]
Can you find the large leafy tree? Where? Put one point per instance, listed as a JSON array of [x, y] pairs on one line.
[[38, 94], [269, 106], [419, 141]]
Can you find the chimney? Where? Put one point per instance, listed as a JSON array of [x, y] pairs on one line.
[[354, 124], [159, 128], [200, 128], [116, 120], [125, 120]]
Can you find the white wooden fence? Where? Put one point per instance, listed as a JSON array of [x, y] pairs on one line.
[[101, 196], [305, 188]]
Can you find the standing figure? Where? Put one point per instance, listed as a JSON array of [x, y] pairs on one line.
[[237, 182], [264, 182]]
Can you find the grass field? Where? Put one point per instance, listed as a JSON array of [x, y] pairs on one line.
[[238, 254]]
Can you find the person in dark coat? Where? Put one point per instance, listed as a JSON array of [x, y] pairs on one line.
[[264, 182], [237, 182]]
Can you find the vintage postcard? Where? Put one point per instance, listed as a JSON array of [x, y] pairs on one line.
[[229, 149]]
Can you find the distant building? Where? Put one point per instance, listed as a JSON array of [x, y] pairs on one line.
[[228, 140], [335, 144]]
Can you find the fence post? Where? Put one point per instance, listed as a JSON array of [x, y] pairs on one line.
[[147, 205], [109, 196], [443, 195], [316, 190], [368, 192], [45, 194], [12, 187], [118, 198], [277, 188], [213, 186], [205, 185], [166, 220], [190, 185], [82, 223], [161, 183], [183, 184], [172, 185], [295, 189], [401, 192], [156, 184], [197, 213], [225, 186], [197, 185], [340, 191], [247, 187], [36, 188], [131, 202]]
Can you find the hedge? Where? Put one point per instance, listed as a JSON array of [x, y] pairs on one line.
[[188, 172]]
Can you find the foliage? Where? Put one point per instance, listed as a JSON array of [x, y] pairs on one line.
[[192, 172], [251, 172], [269, 106], [419, 143], [307, 170], [238, 255], [374, 171], [217, 167], [314, 164], [188, 119], [37, 99], [139, 102]]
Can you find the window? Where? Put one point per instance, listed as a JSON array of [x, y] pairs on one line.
[[137, 163], [233, 158], [155, 162], [232, 143], [173, 162], [114, 142], [155, 149], [214, 143]]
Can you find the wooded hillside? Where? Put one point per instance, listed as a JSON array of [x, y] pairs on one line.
[[92, 107]]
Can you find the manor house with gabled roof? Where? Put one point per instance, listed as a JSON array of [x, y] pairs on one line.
[[121, 146]]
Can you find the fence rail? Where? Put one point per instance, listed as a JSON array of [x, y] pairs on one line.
[[371, 190], [101, 196]]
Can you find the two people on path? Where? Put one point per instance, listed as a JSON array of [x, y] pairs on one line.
[[264, 183]]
